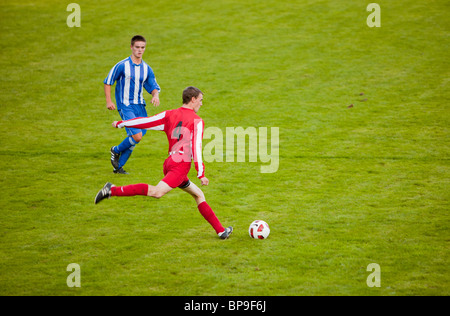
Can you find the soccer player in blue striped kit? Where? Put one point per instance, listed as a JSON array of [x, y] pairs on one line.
[[133, 75]]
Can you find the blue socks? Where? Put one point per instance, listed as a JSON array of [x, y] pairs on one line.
[[124, 156], [125, 144], [125, 148]]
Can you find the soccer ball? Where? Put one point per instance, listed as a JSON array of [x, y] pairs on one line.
[[259, 230]]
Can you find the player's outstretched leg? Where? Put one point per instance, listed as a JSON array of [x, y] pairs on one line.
[[144, 189]]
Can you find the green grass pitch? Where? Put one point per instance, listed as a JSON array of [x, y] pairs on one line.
[[363, 177]]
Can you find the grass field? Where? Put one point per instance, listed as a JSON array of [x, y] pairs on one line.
[[360, 184]]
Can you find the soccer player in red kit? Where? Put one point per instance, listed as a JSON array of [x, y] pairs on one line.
[[184, 130]]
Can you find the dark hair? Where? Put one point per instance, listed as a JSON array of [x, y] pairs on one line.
[[190, 92], [137, 38]]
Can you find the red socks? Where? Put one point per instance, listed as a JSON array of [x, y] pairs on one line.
[[130, 190], [209, 215]]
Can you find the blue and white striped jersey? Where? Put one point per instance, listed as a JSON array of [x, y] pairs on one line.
[[131, 79]]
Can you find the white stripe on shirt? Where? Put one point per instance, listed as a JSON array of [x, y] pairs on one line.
[[126, 89], [157, 128], [198, 147], [108, 81], [113, 70], [137, 81], [143, 120]]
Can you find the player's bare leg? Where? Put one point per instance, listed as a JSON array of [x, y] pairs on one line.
[[196, 193], [159, 190], [137, 137], [110, 189]]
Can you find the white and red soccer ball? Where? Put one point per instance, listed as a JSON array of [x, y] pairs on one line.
[[259, 230]]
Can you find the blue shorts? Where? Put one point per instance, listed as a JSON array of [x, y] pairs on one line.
[[131, 112]]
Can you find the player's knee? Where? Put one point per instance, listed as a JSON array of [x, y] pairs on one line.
[[158, 194], [137, 137], [155, 193], [199, 197]]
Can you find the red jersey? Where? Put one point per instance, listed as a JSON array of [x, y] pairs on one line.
[[184, 130]]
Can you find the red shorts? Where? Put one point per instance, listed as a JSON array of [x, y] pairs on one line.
[[176, 173]]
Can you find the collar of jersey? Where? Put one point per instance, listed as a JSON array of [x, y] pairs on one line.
[[131, 61]]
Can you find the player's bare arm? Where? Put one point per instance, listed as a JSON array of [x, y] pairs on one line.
[[109, 104], [155, 98]]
